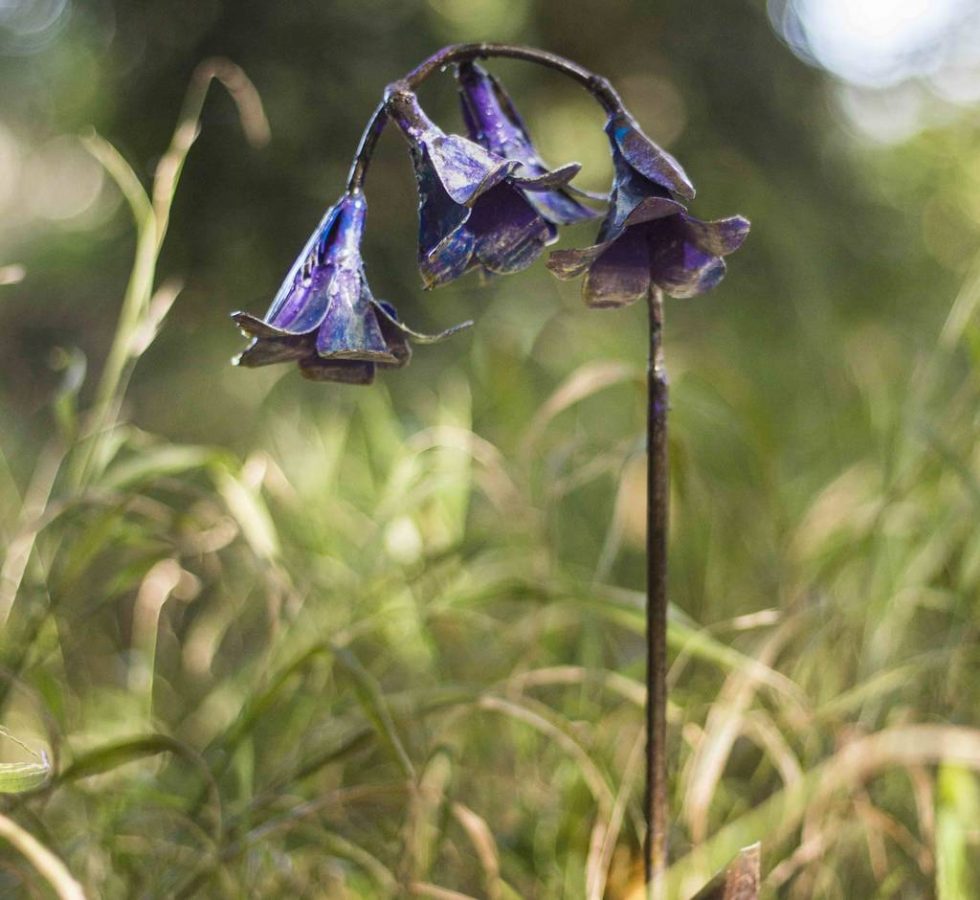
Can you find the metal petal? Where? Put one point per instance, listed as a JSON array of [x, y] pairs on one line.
[[344, 371], [621, 274], [389, 317], [493, 121], [267, 352], [465, 169], [695, 277], [568, 264], [545, 180], [646, 157], [651, 208], [720, 237], [350, 329], [677, 265], [304, 296], [559, 208], [509, 232]]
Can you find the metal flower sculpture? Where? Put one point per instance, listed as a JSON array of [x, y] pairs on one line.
[[324, 316], [474, 210], [487, 202]]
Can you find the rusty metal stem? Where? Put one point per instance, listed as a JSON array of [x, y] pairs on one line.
[[655, 799]]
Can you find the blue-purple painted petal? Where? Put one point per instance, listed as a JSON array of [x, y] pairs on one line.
[[558, 208], [646, 157], [465, 169], [492, 120], [509, 232], [350, 328], [334, 247], [621, 273], [545, 180], [677, 264], [720, 237]]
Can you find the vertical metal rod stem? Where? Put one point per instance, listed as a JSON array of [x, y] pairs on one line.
[[655, 801]]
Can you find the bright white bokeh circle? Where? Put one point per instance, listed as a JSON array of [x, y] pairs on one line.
[[879, 42]]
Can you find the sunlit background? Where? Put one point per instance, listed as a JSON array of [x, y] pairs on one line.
[[477, 519]]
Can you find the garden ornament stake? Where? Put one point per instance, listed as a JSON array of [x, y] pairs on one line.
[[488, 202]]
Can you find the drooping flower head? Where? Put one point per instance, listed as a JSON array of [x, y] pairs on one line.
[[494, 123], [324, 316], [647, 238], [473, 209]]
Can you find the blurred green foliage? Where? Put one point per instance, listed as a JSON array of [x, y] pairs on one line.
[[281, 639]]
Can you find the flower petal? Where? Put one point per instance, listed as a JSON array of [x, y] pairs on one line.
[[389, 317], [720, 237], [621, 274], [568, 264], [545, 180], [350, 329], [302, 300], [677, 265], [646, 157], [345, 371], [559, 208], [493, 121], [449, 259], [465, 169], [651, 208], [509, 232], [256, 328], [266, 352]]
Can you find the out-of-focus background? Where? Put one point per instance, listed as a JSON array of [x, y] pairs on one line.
[[263, 637]]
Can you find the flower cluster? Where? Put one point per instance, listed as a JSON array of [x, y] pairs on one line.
[[487, 202]]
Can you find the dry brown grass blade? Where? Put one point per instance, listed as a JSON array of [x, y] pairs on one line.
[[481, 837], [740, 881], [725, 723], [424, 889]]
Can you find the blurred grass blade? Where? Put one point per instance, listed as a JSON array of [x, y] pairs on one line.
[[32, 509], [119, 753], [957, 834], [47, 864], [157, 462], [245, 503], [372, 702], [250, 112], [423, 826], [585, 381]]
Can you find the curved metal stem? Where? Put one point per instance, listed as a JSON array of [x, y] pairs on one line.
[[596, 85]]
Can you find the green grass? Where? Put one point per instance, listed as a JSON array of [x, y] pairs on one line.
[[381, 655]]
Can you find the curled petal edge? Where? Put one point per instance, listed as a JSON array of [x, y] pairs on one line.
[[719, 237], [650, 160], [419, 336], [556, 178], [568, 264]]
